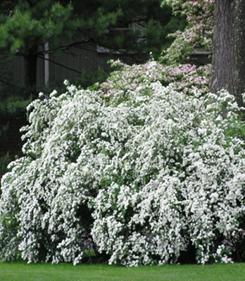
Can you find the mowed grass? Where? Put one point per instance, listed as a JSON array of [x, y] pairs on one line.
[[67, 272]]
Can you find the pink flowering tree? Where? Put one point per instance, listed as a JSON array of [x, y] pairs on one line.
[[199, 29], [182, 77]]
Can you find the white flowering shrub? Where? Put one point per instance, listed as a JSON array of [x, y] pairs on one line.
[[44, 196], [180, 182], [140, 177]]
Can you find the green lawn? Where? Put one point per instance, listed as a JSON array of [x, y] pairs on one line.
[[67, 272]]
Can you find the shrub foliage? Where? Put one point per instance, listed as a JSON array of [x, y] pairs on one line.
[[142, 175]]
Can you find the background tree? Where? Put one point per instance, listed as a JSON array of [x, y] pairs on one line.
[[33, 23], [65, 24], [228, 49], [151, 25]]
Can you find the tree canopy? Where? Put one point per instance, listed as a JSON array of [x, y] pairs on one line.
[[26, 25]]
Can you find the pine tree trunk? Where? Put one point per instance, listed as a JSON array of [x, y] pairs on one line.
[[229, 48], [30, 75]]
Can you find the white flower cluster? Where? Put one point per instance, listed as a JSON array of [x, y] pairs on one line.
[[141, 179]]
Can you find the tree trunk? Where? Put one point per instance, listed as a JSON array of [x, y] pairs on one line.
[[229, 48], [30, 75]]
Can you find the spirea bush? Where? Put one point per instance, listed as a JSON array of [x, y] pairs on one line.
[[141, 178]]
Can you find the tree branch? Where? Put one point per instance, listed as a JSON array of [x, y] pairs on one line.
[[64, 47], [62, 65]]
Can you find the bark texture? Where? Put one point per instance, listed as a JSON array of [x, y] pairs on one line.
[[229, 48]]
